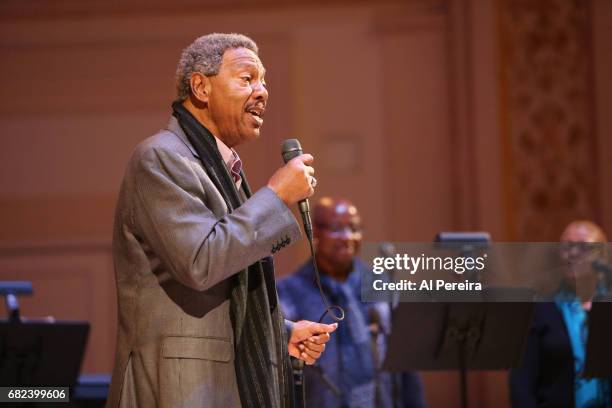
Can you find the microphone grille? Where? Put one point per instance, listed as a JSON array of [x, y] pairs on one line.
[[290, 148]]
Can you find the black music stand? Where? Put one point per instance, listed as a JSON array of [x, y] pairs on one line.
[[598, 361], [10, 290], [41, 354], [458, 336]]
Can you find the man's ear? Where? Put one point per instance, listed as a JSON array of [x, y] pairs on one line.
[[200, 86]]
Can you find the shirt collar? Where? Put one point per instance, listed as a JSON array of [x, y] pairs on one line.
[[227, 154]]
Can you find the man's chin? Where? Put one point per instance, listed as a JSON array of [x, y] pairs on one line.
[[246, 137], [344, 259], [252, 134]]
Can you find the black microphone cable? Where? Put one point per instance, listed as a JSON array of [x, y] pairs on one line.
[[290, 149], [335, 312]]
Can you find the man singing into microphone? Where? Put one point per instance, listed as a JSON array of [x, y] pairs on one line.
[[199, 320]]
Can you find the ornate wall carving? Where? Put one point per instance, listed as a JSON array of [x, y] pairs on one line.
[[550, 144]]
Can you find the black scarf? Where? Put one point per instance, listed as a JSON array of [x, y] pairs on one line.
[[262, 364]]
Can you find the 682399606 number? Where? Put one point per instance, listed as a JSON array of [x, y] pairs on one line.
[[34, 394]]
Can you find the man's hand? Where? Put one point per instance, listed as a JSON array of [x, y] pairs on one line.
[[308, 339], [292, 182]]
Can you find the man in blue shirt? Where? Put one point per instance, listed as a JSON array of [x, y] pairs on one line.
[[348, 373], [554, 358]]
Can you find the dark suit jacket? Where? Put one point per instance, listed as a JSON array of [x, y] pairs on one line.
[[546, 376]]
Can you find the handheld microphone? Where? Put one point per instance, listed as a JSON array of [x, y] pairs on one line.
[[290, 149], [605, 270], [600, 266], [375, 322], [388, 250], [375, 331]]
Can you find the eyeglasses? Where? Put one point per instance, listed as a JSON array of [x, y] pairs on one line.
[[577, 250], [579, 246]]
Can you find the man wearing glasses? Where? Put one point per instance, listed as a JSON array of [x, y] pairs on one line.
[[348, 373], [551, 371]]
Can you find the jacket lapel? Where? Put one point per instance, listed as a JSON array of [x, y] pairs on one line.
[[174, 127]]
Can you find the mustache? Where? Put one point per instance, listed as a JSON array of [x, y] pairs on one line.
[[258, 104]]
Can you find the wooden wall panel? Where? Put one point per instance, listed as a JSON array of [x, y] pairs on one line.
[[552, 171], [601, 15], [70, 282], [418, 139]]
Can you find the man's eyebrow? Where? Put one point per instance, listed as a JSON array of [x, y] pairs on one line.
[[251, 64]]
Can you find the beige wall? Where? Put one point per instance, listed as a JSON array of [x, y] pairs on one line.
[[398, 101], [601, 34]]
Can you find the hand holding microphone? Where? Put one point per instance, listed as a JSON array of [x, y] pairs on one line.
[[293, 182]]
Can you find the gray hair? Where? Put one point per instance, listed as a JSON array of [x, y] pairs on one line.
[[204, 55]]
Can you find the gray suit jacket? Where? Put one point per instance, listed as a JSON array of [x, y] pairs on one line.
[[174, 248]]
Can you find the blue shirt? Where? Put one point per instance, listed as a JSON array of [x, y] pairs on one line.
[[591, 392]]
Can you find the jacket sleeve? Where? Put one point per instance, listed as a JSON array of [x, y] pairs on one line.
[[412, 390], [523, 379], [287, 298], [195, 246]]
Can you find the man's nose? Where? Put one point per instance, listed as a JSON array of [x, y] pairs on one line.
[[260, 91], [574, 252]]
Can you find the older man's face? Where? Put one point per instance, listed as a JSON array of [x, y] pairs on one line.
[[237, 97], [580, 245]]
